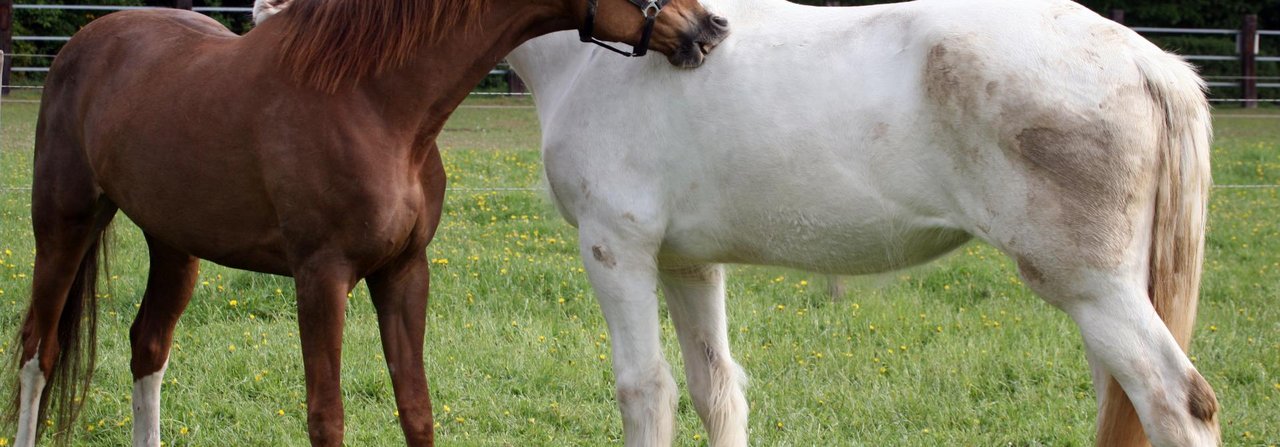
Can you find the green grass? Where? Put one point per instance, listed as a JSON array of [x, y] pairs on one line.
[[956, 353]]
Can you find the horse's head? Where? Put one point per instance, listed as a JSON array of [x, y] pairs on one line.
[[681, 29], [263, 9]]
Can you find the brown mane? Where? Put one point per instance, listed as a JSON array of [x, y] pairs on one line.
[[329, 43]]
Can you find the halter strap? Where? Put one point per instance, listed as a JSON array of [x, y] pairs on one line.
[[650, 8]]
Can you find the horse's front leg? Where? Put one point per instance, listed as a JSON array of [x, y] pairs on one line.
[[400, 296], [695, 300], [322, 297], [624, 274]]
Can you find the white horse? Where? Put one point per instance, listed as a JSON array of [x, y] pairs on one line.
[[868, 139]]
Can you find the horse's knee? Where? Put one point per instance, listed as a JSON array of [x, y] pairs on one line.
[[323, 429], [647, 399], [647, 388], [646, 394], [419, 434]]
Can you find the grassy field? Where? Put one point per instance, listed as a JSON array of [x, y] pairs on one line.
[[956, 353]]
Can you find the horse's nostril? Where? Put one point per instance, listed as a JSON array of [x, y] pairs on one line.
[[720, 21]]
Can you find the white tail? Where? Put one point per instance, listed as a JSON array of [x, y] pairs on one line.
[[1178, 231]]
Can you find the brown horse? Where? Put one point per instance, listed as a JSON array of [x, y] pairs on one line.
[[305, 148]]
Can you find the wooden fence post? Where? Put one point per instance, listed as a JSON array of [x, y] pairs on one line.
[[1117, 15], [6, 43], [182, 4], [514, 83], [1249, 61]]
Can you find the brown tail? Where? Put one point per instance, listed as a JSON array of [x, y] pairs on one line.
[[67, 387], [1178, 232]]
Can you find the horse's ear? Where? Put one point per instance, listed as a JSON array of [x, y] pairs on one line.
[[264, 9]]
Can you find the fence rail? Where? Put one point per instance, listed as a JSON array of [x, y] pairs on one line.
[[1248, 40]]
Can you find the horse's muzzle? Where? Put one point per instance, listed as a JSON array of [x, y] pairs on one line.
[[697, 44]]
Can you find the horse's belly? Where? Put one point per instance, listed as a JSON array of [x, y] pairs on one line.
[[231, 236], [842, 248]]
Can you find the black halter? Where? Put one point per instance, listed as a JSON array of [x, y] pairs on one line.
[[650, 8]]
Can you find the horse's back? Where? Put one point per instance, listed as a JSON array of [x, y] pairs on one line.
[[131, 49], [128, 35]]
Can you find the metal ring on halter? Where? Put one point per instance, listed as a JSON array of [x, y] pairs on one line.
[[652, 6], [650, 11]]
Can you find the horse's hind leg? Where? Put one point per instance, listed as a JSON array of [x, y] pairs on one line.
[[69, 217], [695, 300], [624, 274], [400, 296], [1126, 340], [169, 287]]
